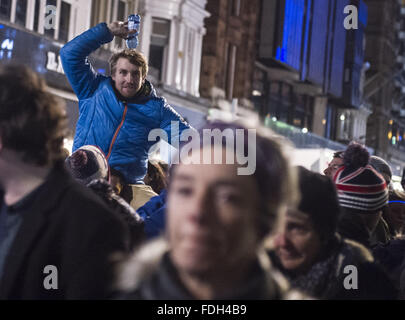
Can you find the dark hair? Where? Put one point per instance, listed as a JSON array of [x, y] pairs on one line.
[[135, 57], [273, 174], [396, 195], [155, 177], [339, 154], [32, 120], [126, 192], [164, 166], [319, 201]]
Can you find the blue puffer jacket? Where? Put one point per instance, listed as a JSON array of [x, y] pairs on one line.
[[153, 214], [120, 128]]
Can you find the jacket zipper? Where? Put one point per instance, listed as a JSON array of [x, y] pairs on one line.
[[117, 131]]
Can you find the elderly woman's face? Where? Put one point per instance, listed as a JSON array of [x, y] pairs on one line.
[[298, 245]]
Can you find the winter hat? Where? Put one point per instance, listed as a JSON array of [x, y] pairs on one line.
[[358, 184], [87, 163], [381, 166], [319, 201]]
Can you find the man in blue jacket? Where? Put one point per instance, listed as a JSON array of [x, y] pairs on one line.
[[117, 113]]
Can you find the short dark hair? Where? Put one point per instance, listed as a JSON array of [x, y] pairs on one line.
[[339, 154], [32, 121], [135, 57]]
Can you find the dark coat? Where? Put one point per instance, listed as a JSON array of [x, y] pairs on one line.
[[391, 256], [351, 226], [326, 278], [70, 228], [150, 275], [129, 216]]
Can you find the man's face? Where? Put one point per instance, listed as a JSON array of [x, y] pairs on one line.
[[128, 78], [333, 166], [212, 218], [298, 245]]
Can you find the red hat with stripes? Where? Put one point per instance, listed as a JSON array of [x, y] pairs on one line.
[[358, 184]]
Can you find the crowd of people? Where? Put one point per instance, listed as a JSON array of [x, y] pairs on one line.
[[106, 222]]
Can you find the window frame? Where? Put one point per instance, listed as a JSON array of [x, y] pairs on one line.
[[112, 12], [166, 38], [30, 16]]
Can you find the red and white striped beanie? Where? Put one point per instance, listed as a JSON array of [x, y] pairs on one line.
[[358, 184]]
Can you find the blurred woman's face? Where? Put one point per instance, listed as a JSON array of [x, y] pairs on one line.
[[396, 216], [298, 245]]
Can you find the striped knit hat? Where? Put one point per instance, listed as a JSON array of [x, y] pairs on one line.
[[87, 163], [358, 184]]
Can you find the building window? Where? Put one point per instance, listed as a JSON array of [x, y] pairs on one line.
[[230, 70], [235, 7], [118, 12], [64, 21], [5, 9], [21, 12], [32, 14], [50, 32], [158, 47], [36, 14], [64, 10]]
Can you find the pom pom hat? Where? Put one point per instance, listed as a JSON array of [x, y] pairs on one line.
[[87, 163], [358, 184]]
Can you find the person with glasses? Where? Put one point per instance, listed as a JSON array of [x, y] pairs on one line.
[[335, 164]]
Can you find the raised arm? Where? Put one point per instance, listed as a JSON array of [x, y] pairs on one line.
[[83, 79]]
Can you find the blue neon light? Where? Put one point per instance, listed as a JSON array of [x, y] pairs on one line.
[[307, 25], [363, 13], [396, 201], [290, 51]]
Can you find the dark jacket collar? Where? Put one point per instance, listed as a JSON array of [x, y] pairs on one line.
[[154, 277], [144, 94]]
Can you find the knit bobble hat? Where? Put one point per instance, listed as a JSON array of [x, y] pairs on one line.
[[358, 184], [87, 163]]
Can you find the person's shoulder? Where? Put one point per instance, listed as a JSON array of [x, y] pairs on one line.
[[356, 251], [138, 268], [84, 204]]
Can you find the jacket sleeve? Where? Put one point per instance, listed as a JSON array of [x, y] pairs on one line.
[[153, 213], [169, 115], [83, 79]]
